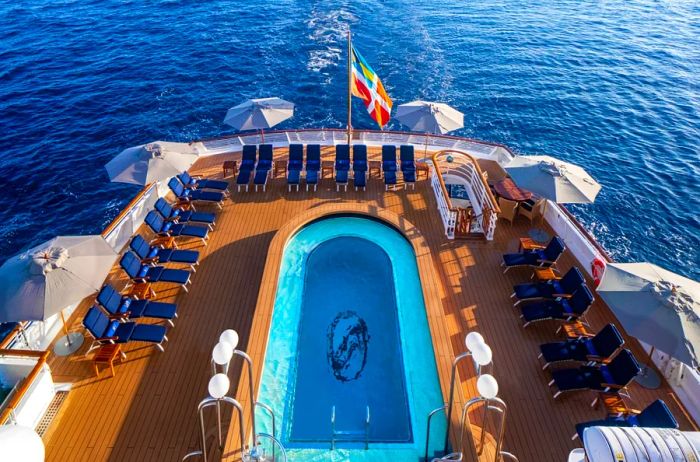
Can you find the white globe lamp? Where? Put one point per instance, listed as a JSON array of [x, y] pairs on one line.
[[222, 353], [482, 354], [229, 336], [487, 386], [218, 386], [473, 339]]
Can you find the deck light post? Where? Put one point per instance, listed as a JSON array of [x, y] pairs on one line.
[[218, 386], [230, 338], [481, 355], [488, 396]]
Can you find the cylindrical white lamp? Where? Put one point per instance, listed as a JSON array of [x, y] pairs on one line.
[[218, 386], [473, 339], [21, 443], [229, 336]]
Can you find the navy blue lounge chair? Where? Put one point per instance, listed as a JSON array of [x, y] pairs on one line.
[[122, 307], [294, 165], [408, 165], [313, 165], [388, 158], [596, 349], [538, 257], [264, 157], [194, 195], [389, 179], [171, 213], [161, 227], [342, 166], [152, 255], [559, 308], [138, 272], [105, 330], [359, 158], [615, 375], [197, 182], [408, 162], [249, 157], [555, 288], [656, 415]]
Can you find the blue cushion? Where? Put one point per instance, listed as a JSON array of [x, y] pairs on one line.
[[249, 156], [518, 259], [574, 350], [260, 177], [541, 311], [148, 309], [174, 275], [96, 322], [148, 333], [293, 176], [211, 196], [243, 176], [212, 184], [190, 230], [409, 176], [182, 256], [606, 342], [164, 208], [155, 221], [341, 176], [176, 187], [311, 176], [656, 415], [186, 179], [389, 177], [359, 179]]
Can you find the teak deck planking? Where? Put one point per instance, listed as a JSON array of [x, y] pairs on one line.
[[147, 412]]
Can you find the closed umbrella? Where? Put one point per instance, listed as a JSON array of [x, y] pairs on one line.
[[151, 162], [429, 117], [259, 114], [44, 280], [553, 179], [658, 307]]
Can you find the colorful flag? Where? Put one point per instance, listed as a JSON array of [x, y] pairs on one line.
[[367, 86]]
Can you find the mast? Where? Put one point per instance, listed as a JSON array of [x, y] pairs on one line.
[[349, 87]]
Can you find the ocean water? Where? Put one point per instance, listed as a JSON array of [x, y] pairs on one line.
[[611, 85]]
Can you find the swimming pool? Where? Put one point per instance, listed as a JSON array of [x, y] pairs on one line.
[[349, 333]]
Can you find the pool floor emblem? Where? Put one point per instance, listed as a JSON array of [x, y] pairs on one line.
[[347, 346]]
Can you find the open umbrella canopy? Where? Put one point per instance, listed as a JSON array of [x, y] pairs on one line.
[[259, 114], [553, 179], [151, 162], [657, 306], [429, 117], [44, 280]]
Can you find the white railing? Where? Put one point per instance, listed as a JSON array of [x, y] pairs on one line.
[[331, 137], [465, 167], [118, 233], [447, 214]]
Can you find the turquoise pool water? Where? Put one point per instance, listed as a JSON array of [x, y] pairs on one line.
[[349, 330]]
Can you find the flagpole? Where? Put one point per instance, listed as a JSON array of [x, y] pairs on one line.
[[349, 87]]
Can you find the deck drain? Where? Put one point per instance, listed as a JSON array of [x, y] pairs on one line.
[[51, 412]]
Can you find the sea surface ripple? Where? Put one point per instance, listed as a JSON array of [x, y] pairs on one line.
[[611, 85]]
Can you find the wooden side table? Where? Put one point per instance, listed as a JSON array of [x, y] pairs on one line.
[[375, 165], [527, 243], [614, 404], [231, 165], [575, 330], [280, 166], [106, 356], [327, 166], [422, 167], [140, 291], [167, 242], [545, 274]]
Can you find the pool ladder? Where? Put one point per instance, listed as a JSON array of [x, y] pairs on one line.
[[349, 435]]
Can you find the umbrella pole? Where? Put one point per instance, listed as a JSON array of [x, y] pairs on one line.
[[65, 329], [262, 134], [648, 377], [425, 152]]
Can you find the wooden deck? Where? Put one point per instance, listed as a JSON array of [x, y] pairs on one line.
[[148, 411]]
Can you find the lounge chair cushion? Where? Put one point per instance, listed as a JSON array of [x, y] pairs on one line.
[[148, 333], [293, 176], [260, 177], [389, 177], [178, 229], [564, 351], [249, 157], [520, 259], [149, 309], [174, 275], [341, 176], [177, 256], [197, 217], [210, 196], [359, 179], [203, 183], [656, 415], [409, 176], [243, 176], [311, 176]]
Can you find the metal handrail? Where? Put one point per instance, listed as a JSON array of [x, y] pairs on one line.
[[427, 433], [334, 433], [275, 443], [272, 414]]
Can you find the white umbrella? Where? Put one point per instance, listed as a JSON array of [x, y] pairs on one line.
[[259, 114], [151, 162], [429, 117], [656, 306], [553, 179], [44, 280]]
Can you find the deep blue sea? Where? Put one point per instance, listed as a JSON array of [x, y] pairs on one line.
[[611, 85]]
